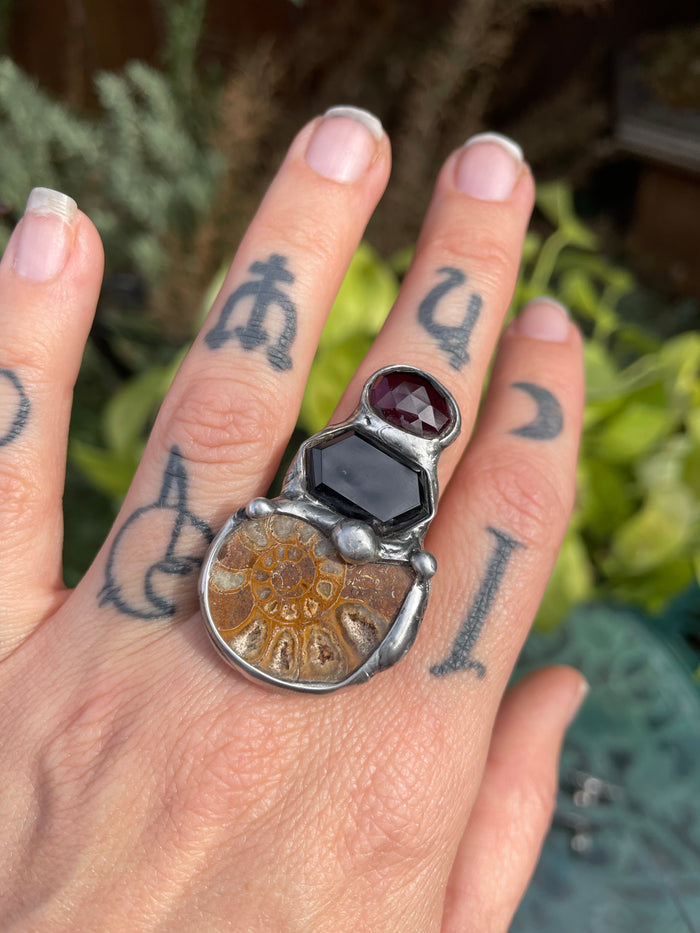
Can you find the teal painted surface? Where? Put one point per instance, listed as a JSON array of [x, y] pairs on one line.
[[625, 857]]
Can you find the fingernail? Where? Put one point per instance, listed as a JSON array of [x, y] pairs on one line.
[[45, 234], [344, 143], [542, 319], [488, 167], [578, 699]]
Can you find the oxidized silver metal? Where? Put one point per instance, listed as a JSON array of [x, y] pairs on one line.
[[355, 540]]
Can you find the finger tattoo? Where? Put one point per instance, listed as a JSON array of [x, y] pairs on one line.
[[460, 657], [453, 339], [19, 411], [260, 294], [174, 539], [549, 420]]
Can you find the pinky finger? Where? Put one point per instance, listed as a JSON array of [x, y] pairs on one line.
[[514, 806]]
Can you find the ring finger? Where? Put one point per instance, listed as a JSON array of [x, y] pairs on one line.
[[455, 296]]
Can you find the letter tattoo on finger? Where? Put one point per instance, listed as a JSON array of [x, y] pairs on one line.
[[157, 542], [265, 294], [460, 657], [548, 423], [19, 408], [453, 339]]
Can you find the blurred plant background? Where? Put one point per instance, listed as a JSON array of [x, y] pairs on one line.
[[166, 120]]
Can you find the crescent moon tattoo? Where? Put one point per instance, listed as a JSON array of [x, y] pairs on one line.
[[548, 421]]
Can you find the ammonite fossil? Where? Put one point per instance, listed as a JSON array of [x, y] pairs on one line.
[[326, 585], [285, 600]]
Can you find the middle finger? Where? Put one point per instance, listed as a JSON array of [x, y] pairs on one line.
[[226, 420]]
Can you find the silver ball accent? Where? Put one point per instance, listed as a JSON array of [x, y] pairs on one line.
[[259, 508], [355, 540], [424, 564]]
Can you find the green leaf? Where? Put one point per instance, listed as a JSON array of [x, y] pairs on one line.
[[108, 471], [583, 297], [681, 354], [555, 200], [693, 423], [601, 371], [632, 432], [212, 291], [330, 374], [655, 588], [531, 246], [552, 201], [605, 498], [128, 415], [658, 533], [571, 583], [580, 294], [605, 384], [691, 468], [364, 300], [361, 307], [642, 374], [680, 360], [400, 261], [599, 269], [666, 467], [527, 291]]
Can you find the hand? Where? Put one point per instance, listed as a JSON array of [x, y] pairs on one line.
[[147, 786]]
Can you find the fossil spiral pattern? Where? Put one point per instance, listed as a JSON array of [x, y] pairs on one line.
[[287, 603]]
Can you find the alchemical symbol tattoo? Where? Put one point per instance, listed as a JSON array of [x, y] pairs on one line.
[[174, 539], [460, 657], [265, 294], [453, 339]]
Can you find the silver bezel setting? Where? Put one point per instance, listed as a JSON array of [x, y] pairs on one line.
[[352, 537]]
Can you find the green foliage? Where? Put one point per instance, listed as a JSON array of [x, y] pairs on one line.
[[125, 422], [635, 532], [183, 30], [158, 181], [138, 170], [42, 143], [361, 306]]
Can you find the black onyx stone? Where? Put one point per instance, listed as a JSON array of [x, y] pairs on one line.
[[356, 477]]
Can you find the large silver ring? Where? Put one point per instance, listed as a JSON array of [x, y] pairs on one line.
[[326, 585]]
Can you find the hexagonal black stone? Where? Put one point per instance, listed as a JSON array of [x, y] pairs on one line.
[[355, 476]]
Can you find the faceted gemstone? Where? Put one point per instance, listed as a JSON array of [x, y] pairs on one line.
[[359, 479], [285, 602], [407, 401]]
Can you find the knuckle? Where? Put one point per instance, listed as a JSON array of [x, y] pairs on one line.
[[485, 252], [85, 740], [383, 822], [527, 501], [222, 422], [20, 494], [34, 362], [223, 766], [302, 233]]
